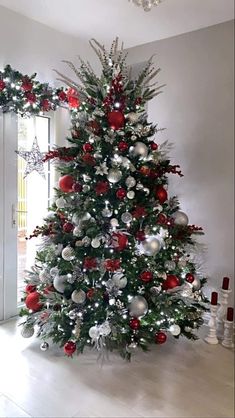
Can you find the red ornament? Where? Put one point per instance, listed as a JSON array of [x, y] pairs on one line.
[[72, 97], [32, 301], [89, 263], [170, 282], [145, 170], [119, 241], [66, 183], [160, 337], [146, 276], [94, 126], [112, 265], [102, 187], [31, 97], [26, 85], [62, 96], [68, 227], [190, 277], [116, 119], [161, 194], [140, 235], [69, 348], [90, 293], [135, 323], [154, 146], [88, 159], [87, 147], [30, 288], [121, 193], [45, 105], [139, 212], [123, 146], [2, 85], [77, 187]]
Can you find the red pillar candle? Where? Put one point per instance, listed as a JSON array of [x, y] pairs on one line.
[[225, 284], [230, 314], [214, 298]]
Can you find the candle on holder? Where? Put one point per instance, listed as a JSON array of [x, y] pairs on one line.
[[214, 298], [230, 314], [225, 284]]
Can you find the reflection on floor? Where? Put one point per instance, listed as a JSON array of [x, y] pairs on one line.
[[177, 379]]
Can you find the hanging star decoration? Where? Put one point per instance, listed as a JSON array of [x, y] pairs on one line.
[[34, 159]]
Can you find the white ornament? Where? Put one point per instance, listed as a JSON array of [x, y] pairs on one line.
[[104, 329], [106, 212], [151, 246], [27, 331], [78, 296], [140, 149], [114, 176], [130, 194], [114, 222], [130, 181], [180, 218], [94, 332], [59, 283], [175, 329], [119, 280], [60, 203], [68, 254], [95, 243], [138, 306], [126, 217]]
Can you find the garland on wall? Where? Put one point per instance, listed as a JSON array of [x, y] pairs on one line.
[[25, 95]]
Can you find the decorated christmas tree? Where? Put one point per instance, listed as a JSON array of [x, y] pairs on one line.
[[116, 267]]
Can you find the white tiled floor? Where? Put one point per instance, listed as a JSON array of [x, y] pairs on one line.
[[178, 379]]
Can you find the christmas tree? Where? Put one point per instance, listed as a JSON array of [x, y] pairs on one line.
[[116, 267]]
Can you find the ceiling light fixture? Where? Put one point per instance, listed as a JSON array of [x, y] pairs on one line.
[[146, 4]]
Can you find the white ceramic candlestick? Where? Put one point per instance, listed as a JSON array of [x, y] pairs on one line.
[[222, 311], [228, 334], [211, 337]]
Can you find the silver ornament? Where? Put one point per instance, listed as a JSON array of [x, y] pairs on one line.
[[86, 188], [59, 283], [175, 329], [114, 222], [44, 346], [60, 203], [68, 254], [95, 243], [126, 217], [78, 296], [70, 278], [130, 181], [77, 231], [140, 149], [130, 194], [146, 191], [139, 186], [196, 283], [151, 246], [76, 219], [106, 212], [114, 175], [155, 290], [119, 280], [94, 332], [104, 329], [170, 265], [180, 218], [27, 331], [138, 306], [72, 315]]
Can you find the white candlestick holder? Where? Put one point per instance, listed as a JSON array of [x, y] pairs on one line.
[[222, 311], [211, 337], [228, 334]]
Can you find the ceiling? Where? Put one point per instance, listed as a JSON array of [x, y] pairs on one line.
[[105, 19]]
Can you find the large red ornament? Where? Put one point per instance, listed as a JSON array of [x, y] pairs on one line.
[[2, 85], [135, 323], [112, 264], [87, 147], [72, 97], [30, 288], [119, 241], [116, 119], [102, 187], [123, 146], [121, 193], [160, 337], [32, 301], [68, 227], [161, 194], [170, 282], [140, 235], [190, 277], [66, 183], [146, 276], [69, 348]]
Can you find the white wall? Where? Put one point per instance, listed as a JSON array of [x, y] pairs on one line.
[[196, 107]]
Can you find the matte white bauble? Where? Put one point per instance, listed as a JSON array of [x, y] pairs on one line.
[[59, 283], [78, 296], [95, 243], [196, 283], [180, 218], [131, 194], [94, 332], [104, 329], [175, 329], [114, 222], [60, 203]]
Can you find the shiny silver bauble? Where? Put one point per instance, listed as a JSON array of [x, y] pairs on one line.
[[126, 217], [114, 175], [44, 346], [138, 306], [130, 181], [27, 331], [151, 246], [175, 329], [78, 296], [59, 283], [180, 218]]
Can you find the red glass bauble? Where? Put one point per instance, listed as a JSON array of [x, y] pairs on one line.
[[161, 194], [121, 193], [69, 348], [190, 277], [30, 288], [171, 282], [154, 146], [87, 147], [135, 323], [66, 183], [116, 119], [32, 301], [140, 235], [72, 97], [77, 187], [145, 170], [160, 337], [68, 227], [119, 241], [146, 276], [123, 146]]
